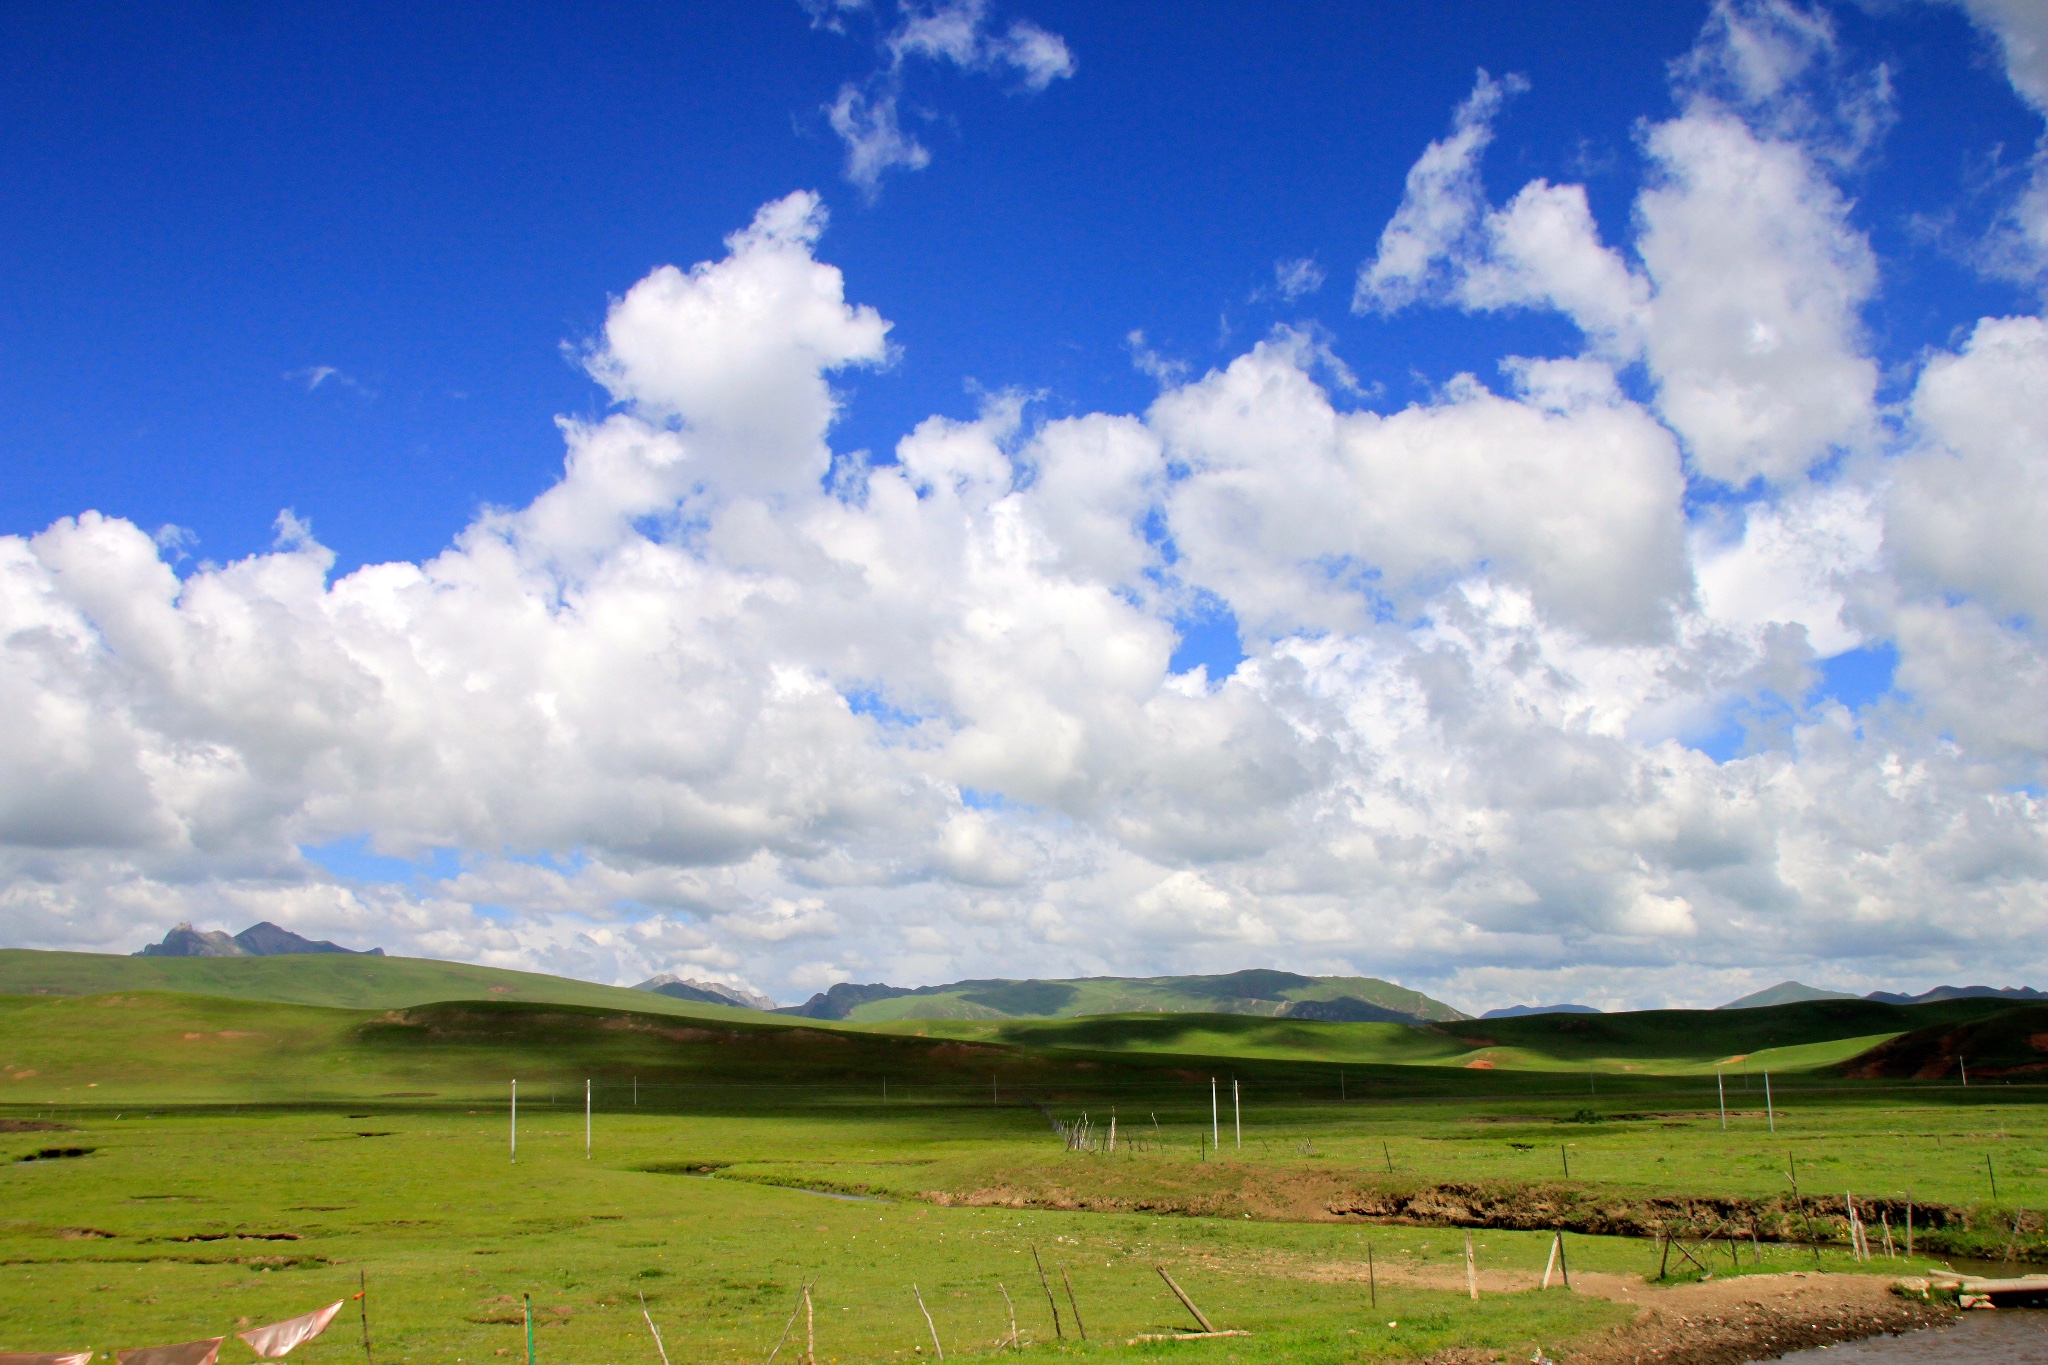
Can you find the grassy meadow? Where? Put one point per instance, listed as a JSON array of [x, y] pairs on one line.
[[247, 1160]]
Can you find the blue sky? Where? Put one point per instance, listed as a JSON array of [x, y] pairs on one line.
[[361, 264], [209, 199]]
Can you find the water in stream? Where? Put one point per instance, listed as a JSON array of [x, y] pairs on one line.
[[2003, 1336]]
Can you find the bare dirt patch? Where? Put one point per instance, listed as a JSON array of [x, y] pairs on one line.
[[1753, 1317], [1711, 1322]]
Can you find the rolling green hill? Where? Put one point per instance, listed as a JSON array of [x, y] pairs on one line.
[[1796, 1037], [1256, 992], [344, 981]]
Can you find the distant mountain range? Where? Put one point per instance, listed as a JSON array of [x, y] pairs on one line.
[[1793, 992], [262, 939], [1341, 999], [1522, 1011], [705, 992]]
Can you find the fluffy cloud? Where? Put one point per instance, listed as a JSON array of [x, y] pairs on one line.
[[957, 33], [1743, 301], [725, 702]]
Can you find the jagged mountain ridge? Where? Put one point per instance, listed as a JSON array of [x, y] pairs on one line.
[[262, 939], [706, 992], [1259, 991]]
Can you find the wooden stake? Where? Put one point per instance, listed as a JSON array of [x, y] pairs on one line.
[[1051, 1302], [1388, 1154], [1185, 1301], [652, 1328], [586, 1118], [1006, 1303], [1564, 1265], [794, 1309], [1074, 1303], [929, 1323], [1909, 1222], [515, 1120], [1372, 1278], [810, 1330], [1664, 1245], [1237, 1115], [1215, 1118], [1721, 1089], [1566, 1157], [1991, 1171], [1471, 1270], [1550, 1264], [1769, 1112], [363, 1306]]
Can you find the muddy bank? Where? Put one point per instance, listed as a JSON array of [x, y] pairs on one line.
[[1982, 1233], [1938, 1229], [1710, 1322], [1755, 1317]]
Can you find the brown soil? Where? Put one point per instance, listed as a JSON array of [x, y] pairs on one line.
[[1754, 1317], [1228, 1190], [1712, 1322], [34, 1126]]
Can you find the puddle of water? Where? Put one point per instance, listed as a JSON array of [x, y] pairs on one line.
[[2004, 1336], [833, 1194]]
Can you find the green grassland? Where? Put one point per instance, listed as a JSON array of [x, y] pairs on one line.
[[250, 1159], [348, 981], [1654, 1042]]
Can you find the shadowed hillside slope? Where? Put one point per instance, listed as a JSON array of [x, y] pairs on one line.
[[346, 981], [2011, 1042], [1670, 1042]]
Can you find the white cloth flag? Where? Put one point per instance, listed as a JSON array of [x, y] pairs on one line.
[[188, 1353], [55, 1358], [274, 1340]]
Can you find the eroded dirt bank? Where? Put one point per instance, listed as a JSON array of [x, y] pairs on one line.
[[1754, 1317], [1716, 1322], [1939, 1229]]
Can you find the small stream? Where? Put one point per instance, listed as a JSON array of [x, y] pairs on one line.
[[2003, 1336]]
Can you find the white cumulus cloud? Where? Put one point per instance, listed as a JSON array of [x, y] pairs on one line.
[[725, 701]]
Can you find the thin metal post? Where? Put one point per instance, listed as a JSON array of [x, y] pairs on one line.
[[363, 1306], [586, 1118], [1215, 1117], [1769, 1112], [515, 1120], [1721, 1089], [1237, 1113]]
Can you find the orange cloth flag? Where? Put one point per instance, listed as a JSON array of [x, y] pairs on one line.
[[274, 1340], [188, 1353], [56, 1358]]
